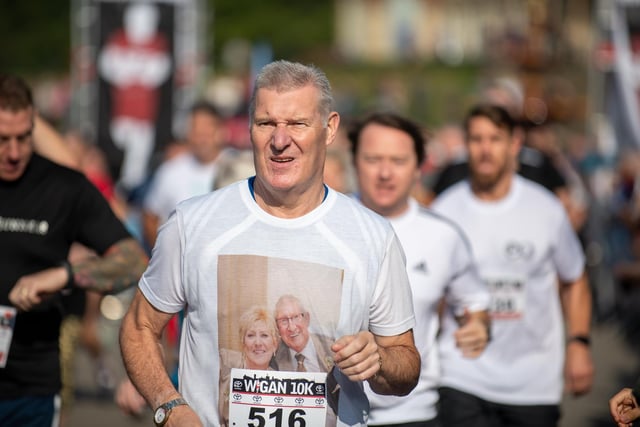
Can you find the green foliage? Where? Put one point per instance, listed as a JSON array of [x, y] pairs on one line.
[[291, 27], [430, 93], [34, 36]]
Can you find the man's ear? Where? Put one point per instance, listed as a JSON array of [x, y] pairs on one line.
[[333, 122]]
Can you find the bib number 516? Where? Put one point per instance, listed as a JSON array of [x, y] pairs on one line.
[[295, 419]]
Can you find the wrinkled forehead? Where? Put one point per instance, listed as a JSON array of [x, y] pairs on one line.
[[287, 102]]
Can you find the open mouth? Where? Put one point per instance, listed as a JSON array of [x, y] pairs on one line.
[[282, 159]]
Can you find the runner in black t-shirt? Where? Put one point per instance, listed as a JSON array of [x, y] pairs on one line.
[[44, 208]]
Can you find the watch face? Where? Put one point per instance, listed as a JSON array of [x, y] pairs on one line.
[[160, 415]]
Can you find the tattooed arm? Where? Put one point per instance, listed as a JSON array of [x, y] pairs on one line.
[[119, 268]]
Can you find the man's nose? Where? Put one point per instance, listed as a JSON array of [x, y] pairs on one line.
[[13, 149], [385, 171], [280, 137]]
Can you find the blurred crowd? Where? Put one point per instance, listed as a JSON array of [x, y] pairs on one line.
[[600, 191]]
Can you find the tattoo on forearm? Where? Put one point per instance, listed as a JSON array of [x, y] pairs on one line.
[[119, 268]]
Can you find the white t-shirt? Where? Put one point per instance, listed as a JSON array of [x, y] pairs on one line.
[[439, 264], [176, 180], [522, 245], [221, 253]]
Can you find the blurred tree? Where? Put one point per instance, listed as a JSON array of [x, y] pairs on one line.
[[34, 36], [292, 28]]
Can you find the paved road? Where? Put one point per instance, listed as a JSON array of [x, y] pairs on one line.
[[616, 365]]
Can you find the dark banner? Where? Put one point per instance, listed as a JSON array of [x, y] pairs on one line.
[[135, 65], [135, 68]]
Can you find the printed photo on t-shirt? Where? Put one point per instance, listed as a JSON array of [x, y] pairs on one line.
[[275, 315]]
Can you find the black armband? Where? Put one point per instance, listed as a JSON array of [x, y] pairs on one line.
[[584, 339]]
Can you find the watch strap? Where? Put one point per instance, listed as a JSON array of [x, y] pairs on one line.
[[168, 406]]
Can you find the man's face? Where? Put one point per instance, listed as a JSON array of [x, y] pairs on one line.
[[387, 168], [293, 325], [16, 145], [205, 136], [492, 152], [289, 139]]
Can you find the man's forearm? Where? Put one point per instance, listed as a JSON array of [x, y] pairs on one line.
[[119, 268], [576, 301], [143, 355]]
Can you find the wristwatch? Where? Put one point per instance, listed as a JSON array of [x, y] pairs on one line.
[[161, 414]]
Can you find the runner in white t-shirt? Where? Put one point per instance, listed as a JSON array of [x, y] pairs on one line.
[[282, 232], [531, 259], [388, 150]]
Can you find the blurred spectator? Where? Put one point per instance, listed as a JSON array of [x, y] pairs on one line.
[[188, 174], [234, 166], [446, 147], [540, 158], [338, 170], [624, 244], [544, 138]]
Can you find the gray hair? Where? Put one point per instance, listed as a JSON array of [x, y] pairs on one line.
[[284, 75]]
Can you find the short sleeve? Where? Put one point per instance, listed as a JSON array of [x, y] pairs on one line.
[[161, 283], [391, 311]]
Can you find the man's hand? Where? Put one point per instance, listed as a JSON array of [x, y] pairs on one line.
[[473, 335], [357, 355], [624, 408], [129, 400], [391, 364], [32, 289], [183, 416], [578, 369]]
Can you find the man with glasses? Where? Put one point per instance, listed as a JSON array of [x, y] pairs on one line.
[[299, 349], [44, 208]]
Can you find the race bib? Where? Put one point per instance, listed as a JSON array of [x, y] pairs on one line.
[[7, 323], [507, 297], [277, 398]]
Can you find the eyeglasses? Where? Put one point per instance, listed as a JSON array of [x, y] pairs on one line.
[[295, 319]]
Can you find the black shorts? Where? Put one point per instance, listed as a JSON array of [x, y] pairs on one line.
[[459, 409], [33, 411]]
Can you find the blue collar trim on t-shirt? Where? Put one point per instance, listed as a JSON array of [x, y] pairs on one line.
[[253, 194]]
